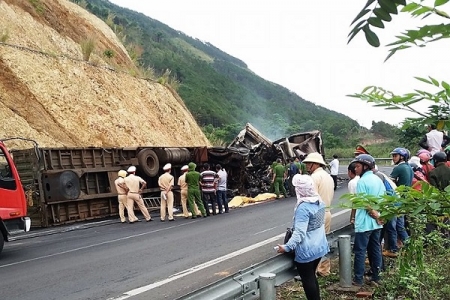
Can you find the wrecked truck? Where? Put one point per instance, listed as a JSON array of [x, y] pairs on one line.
[[66, 185], [248, 157]]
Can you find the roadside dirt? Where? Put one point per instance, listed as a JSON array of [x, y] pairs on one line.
[[49, 94]]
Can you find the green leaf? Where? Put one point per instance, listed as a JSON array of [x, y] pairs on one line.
[[371, 37], [440, 2], [435, 82], [445, 85], [375, 22], [410, 7], [412, 102], [401, 2], [360, 15], [380, 13], [388, 6], [423, 80]]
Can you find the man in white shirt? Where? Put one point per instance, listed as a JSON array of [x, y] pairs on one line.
[[352, 186], [334, 169], [434, 140]]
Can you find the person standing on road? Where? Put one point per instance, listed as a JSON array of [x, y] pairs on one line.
[[300, 166], [402, 174], [184, 191], [165, 183], [308, 239], [334, 169], [135, 186], [278, 177], [367, 225], [122, 190], [208, 181], [222, 189], [194, 196], [324, 185]]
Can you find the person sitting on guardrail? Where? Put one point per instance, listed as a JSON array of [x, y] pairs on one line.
[[367, 225], [308, 239]]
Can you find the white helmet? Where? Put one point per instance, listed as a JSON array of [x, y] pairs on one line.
[[122, 173], [314, 157], [131, 169]]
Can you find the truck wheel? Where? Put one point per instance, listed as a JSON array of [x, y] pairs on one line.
[[148, 162], [2, 242]]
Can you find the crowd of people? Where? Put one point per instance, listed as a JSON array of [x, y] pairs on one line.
[[198, 191], [373, 237]]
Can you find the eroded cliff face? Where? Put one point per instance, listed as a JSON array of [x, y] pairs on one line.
[[49, 94]]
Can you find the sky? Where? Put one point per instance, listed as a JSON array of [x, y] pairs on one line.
[[302, 45]]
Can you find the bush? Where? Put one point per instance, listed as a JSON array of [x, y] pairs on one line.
[[87, 47]]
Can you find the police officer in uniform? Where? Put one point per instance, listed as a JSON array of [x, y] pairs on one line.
[[135, 185]]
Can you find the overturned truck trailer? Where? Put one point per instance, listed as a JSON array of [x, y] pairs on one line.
[[66, 185]]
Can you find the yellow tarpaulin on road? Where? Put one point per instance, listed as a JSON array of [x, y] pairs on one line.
[[241, 200]]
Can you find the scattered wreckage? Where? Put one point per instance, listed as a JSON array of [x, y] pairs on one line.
[[248, 157], [65, 185]]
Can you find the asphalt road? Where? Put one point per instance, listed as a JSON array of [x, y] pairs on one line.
[[154, 260]]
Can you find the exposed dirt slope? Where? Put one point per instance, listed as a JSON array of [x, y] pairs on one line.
[[49, 94]]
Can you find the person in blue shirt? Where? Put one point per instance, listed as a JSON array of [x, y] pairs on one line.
[[308, 239], [367, 225]]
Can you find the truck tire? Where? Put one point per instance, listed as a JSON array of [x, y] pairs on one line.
[[2, 242], [148, 162]]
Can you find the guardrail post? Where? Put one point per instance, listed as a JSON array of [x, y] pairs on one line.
[[345, 261], [267, 286]]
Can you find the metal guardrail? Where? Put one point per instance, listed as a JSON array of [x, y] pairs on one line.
[[244, 285], [382, 161]]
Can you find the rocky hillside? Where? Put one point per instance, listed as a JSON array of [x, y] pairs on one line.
[[50, 94]]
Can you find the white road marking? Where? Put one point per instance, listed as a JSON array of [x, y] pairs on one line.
[[186, 272], [189, 271], [259, 232], [91, 246]]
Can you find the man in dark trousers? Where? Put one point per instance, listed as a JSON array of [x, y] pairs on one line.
[[208, 182], [193, 182]]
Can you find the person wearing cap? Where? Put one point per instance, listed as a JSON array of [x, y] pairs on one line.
[[135, 186], [324, 185], [366, 223], [122, 190], [165, 182], [278, 177], [184, 192], [194, 197]]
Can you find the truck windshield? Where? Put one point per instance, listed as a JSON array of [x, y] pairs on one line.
[[6, 177]]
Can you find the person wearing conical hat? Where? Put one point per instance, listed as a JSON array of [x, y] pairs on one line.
[[324, 185], [165, 182]]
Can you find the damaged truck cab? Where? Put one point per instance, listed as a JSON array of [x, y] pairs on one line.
[[13, 204]]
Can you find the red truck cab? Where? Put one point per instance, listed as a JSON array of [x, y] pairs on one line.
[[13, 204]]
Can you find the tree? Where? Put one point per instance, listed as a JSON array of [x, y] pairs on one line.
[[382, 11]]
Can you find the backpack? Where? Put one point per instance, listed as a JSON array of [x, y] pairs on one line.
[[389, 185]]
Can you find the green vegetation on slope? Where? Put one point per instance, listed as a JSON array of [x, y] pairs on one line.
[[217, 88]]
